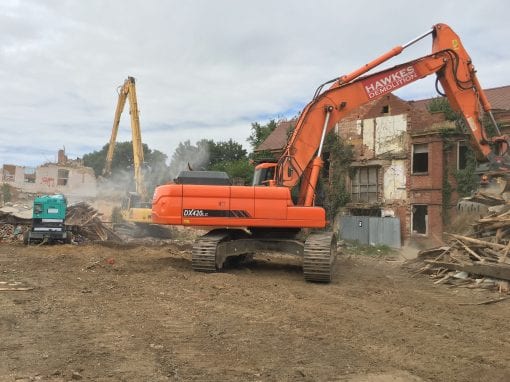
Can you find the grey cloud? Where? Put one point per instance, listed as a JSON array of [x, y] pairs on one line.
[[206, 69]]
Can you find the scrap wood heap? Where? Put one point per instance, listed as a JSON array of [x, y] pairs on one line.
[[487, 198], [480, 259], [10, 233], [87, 223]]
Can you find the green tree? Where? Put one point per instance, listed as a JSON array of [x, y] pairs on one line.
[[259, 133], [154, 168], [188, 156], [228, 156], [336, 194], [122, 158], [228, 151], [441, 105], [466, 179], [240, 171]]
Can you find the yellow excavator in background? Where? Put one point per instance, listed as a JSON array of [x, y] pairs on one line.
[[135, 207]]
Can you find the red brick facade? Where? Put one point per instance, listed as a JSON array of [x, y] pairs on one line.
[[422, 189], [408, 194]]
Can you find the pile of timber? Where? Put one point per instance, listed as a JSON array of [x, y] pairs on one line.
[[487, 198], [482, 258], [86, 222], [10, 233]]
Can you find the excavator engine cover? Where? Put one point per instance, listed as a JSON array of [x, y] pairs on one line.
[[218, 178]]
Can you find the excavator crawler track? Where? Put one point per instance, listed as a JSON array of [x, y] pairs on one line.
[[319, 257], [203, 255]]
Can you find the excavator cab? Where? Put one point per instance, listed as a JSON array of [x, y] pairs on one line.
[[264, 174], [134, 209]]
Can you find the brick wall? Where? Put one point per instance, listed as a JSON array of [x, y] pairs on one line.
[[422, 189]]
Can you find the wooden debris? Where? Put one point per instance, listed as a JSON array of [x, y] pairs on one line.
[[10, 233], [484, 254], [86, 222], [13, 286], [485, 302], [487, 199]]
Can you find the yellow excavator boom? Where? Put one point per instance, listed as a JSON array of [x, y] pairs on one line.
[[135, 207], [128, 92]]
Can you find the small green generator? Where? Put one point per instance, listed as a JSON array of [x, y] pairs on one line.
[[48, 220]]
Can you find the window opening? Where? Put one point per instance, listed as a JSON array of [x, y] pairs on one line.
[[364, 185], [63, 177], [420, 219], [420, 158]]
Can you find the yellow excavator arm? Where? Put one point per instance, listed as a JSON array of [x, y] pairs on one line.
[[134, 207], [128, 92]]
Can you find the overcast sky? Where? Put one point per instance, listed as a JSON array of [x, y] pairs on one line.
[[205, 69]]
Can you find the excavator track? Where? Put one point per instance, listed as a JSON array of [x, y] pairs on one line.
[[203, 255], [319, 257]]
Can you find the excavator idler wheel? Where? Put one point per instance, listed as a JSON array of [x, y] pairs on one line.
[[319, 257]]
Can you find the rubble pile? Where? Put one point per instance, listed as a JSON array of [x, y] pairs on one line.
[[14, 222], [86, 222], [11, 233], [481, 259]]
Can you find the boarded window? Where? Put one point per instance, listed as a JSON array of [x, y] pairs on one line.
[[63, 177], [364, 185], [462, 155], [420, 219], [420, 158], [29, 175]]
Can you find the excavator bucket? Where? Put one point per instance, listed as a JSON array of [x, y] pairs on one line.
[[493, 191], [494, 185]]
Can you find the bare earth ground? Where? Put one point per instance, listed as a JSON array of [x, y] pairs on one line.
[[142, 314]]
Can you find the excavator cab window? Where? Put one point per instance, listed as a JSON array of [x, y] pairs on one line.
[[38, 208], [263, 175]]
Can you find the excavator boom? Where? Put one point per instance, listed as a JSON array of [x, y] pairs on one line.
[[128, 92], [455, 71], [134, 206]]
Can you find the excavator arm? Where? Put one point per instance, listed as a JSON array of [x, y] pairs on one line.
[[301, 160], [128, 92]]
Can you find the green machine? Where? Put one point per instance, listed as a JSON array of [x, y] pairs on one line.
[[48, 220]]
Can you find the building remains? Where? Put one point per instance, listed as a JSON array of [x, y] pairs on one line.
[[405, 158], [68, 177]]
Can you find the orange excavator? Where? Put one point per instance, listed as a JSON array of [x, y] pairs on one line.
[[246, 219]]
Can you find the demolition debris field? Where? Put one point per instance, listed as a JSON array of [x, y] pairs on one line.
[[139, 313]]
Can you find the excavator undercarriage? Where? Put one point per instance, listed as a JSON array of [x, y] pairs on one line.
[[318, 250]]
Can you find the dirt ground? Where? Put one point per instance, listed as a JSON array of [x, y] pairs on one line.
[[141, 314]]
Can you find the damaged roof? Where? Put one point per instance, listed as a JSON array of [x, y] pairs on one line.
[[498, 97], [278, 138]]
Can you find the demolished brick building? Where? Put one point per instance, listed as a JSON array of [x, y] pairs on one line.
[[69, 177], [404, 161]]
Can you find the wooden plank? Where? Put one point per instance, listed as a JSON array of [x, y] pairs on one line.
[[471, 251], [498, 271], [476, 241], [485, 302]]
